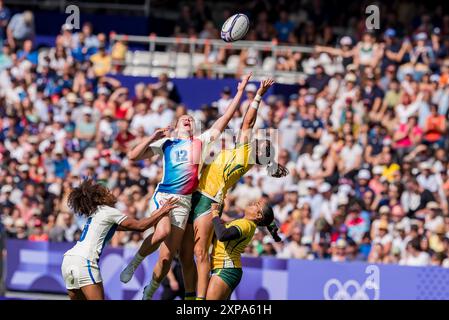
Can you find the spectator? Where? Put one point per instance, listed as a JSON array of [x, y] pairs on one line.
[[102, 62], [38, 233], [20, 28], [318, 80], [339, 251], [283, 27], [294, 248], [363, 135], [435, 127], [415, 256], [5, 14], [86, 129]]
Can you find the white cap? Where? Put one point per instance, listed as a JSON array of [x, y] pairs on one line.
[[364, 174], [346, 41], [350, 77], [324, 187], [103, 90], [8, 221], [251, 87], [20, 223], [311, 184], [89, 96], [6, 188], [87, 110], [158, 102], [55, 189], [421, 36], [33, 139], [345, 189], [434, 78], [342, 199], [24, 167], [318, 152], [267, 239], [378, 170], [341, 243], [425, 166], [71, 97], [67, 27]]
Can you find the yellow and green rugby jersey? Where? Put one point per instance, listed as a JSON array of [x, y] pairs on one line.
[[225, 171], [227, 254]]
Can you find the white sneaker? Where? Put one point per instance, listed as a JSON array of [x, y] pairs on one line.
[[127, 273], [147, 294]]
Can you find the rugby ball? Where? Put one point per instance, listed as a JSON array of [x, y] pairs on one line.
[[235, 28]]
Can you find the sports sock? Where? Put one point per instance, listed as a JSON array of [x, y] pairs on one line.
[[200, 298], [137, 260], [190, 296], [153, 287]]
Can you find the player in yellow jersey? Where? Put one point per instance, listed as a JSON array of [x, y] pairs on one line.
[[229, 243], [216, 179]]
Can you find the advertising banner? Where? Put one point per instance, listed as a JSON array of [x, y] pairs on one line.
[[36, 266]]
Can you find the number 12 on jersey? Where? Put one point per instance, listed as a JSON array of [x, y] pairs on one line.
[[181, 155]]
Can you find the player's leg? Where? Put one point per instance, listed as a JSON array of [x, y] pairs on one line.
[[72, 268], [152, 240], [89, 280], [203, 231], [223, 282], [167, 252], [218, 289], [76, 294], [189, 270], [93, 291], [188, 264], [170, 246], [148, 246]]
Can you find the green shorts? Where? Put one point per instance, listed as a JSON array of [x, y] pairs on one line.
[[231, 276], [200, 206]]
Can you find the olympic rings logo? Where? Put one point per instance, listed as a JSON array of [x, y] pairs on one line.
[[353, 290]]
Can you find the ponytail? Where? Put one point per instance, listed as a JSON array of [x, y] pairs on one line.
[[268, 222], [273, 230]]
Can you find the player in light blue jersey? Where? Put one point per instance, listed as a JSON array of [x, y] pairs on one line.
[[182, 157]]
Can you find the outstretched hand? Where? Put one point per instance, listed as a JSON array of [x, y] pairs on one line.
[[168, 205], [161, 133], [264, 86], [242, 84]]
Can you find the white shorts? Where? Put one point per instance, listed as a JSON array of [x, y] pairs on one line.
[[178, 216], [78, 272]]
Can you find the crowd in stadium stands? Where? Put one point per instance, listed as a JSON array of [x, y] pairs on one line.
[[365, 137]]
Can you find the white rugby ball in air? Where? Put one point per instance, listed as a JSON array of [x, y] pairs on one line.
[[235, 28]]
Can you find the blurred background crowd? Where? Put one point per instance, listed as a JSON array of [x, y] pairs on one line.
[[365, 137]]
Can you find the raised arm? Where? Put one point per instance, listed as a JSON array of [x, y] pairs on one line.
[[131, 224], [221, 232], [251, 113], [143, 149], [221, 123]]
